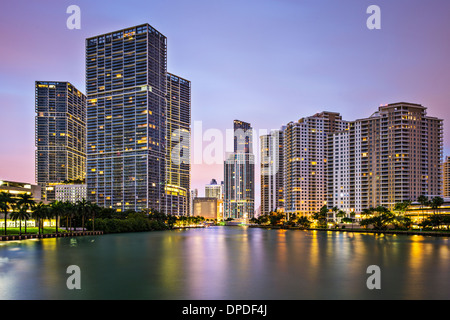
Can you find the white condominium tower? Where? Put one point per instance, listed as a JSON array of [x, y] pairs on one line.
[[305, 162]]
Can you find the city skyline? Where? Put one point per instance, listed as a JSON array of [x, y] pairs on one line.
[[336, 65]]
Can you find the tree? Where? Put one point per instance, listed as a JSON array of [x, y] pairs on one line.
[[423, 200], [20, 213], [402, 207], [6, 203], [39, 213], [436, 203], [82, 207], [303, 222], [321, 217], [25, 203], [57, 209]]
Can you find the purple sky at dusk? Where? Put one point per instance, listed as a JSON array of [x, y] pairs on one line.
[[267, 62]]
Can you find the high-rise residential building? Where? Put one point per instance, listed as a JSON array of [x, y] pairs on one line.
[[60, 135], [239, 173], [305, 162], [272, 184], [446, 178], [394, 155], [178, 130], [214, 190], [126, 87]]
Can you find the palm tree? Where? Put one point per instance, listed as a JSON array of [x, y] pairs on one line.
[[435, 203], [57, 210], [83, 210], [25, 203], [6, 203], [423, 200], [20, 214], [39, 213]]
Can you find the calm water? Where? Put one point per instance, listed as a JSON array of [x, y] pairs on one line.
[[227, 263]]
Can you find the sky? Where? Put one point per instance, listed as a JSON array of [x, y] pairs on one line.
[[267, 62]]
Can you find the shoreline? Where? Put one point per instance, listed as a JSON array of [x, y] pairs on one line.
[[403, 232], [49, 235]]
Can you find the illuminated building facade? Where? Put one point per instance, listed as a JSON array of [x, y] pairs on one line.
[[126, 87], [239, 175], [305, 162], [272, 185], [60, 135], [393, 156], [178, 130], [446, 177]]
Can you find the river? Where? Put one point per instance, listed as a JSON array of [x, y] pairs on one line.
[[220, 263]]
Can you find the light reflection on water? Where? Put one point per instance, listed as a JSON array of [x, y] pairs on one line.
[[227, 263]]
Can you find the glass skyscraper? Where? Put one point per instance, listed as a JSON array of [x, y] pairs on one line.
[[126, 86], [239, 175], [178, 130], [60, 135]]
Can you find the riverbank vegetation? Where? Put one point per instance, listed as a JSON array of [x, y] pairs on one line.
[[379, 218], [82, 215]]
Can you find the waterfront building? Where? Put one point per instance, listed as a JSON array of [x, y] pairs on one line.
[[393, 156], [126, 87], [305, 162], [272, 184], [239, 175], [178, 128], [60, 135]]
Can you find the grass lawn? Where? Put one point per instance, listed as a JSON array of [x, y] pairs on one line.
[[30, 230]]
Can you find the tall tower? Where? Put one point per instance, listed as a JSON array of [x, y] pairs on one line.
[[305, 162], [446, 173], [272, 189], [239, 173], [178, 130], [126, 86], [60, 135]]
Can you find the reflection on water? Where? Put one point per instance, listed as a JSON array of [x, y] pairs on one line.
[[227, 263]]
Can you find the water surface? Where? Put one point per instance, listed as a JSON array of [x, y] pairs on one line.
[[227, 263]]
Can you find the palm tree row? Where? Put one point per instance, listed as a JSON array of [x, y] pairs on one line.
[[23, 207]]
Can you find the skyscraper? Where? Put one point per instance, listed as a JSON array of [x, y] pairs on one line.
[[60, 135], [126, 86], [239, 173], [305, 162], [394, 155], [446, 173], [272, 185], [178, 128]]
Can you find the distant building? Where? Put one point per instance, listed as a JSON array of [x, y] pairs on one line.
[[446, 177], [239, 175], [70, 192], [208, 208], [214, 190], [272, 189], [193, 194]]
